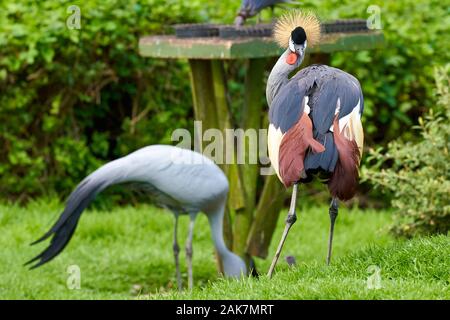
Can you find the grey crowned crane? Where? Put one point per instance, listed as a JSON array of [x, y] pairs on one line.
[[315, 120], [183, 181], [250, 8]]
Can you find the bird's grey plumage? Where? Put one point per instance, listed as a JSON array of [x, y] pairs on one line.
[[323, 86], [323, 161], [326, 85], [287, 106], [253, 7], [182, 180], [250, 8]]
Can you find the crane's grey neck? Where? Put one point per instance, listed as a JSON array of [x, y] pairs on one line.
[[216, 222], [233, 265], [279, 76]]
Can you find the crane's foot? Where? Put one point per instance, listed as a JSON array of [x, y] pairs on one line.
[[333, 212], [290, 220]]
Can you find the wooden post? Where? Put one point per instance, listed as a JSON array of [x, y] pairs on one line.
[[271, 200], [206, 111], [266, 217], [251, 119], [236, 199]]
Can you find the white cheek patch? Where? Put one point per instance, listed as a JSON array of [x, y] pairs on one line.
[[291, 45]]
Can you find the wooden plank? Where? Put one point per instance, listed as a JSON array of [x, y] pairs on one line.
[[246, 48]]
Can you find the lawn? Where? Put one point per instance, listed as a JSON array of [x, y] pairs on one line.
[[126, 254]]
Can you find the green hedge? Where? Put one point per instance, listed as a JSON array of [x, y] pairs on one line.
[[73, 99], [418, 173], [70, 97]]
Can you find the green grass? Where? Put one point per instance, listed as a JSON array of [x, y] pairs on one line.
[[126, 254]]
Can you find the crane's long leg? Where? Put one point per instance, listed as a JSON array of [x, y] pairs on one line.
[[290, 220], [189, 251], [333, 211], [176, 252]]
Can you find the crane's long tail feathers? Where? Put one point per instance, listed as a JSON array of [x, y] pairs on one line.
[[344, 180], [64, 228]]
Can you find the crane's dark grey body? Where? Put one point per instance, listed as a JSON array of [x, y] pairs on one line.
[[250, 8], [181, 180]]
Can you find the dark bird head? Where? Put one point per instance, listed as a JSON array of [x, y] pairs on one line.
[[298, 36], [297, 46], [296, 30]]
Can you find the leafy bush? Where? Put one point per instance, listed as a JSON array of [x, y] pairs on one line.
[[419, 172], [72, 99]]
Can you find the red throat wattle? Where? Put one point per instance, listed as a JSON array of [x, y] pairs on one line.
[[291, 58]]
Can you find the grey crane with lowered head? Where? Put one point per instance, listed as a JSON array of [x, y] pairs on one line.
[[315, 120], [181, 180]]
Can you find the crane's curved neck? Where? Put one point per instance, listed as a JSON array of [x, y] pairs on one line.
[[279, 76], [216, 223], [233, 265]]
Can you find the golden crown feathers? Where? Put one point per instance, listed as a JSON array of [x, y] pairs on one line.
[[293, 19]]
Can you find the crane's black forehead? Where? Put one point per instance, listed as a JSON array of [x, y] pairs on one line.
[[298, 35]]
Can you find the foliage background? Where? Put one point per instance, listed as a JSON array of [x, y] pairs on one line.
[[418, 173], [73, 99]]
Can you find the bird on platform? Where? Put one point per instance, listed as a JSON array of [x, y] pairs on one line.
[[315, 120], [183, 181], [250, 8]]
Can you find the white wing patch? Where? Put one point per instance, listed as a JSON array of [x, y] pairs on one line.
[[351, 126], [344, 120], [274, 138], [306, 108]]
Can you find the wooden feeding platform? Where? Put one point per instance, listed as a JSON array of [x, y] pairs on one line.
[[254, 210], [214, 48]]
